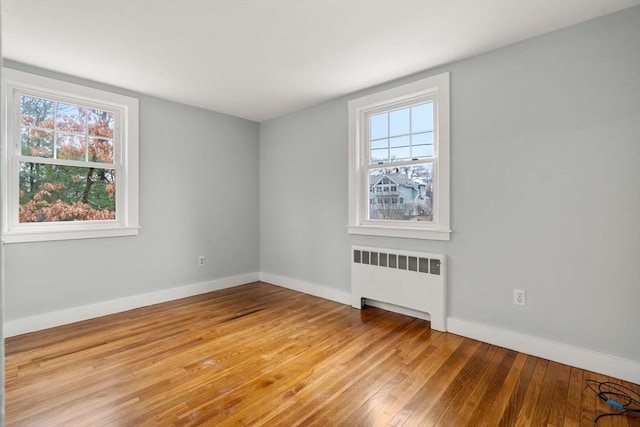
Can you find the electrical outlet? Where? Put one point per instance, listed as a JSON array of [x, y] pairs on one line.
[[201, 261], [519, 297]]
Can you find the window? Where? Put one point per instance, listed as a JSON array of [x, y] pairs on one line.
[[69, 160], [400, 138]]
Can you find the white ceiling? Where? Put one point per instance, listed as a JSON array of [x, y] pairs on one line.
[[263, 59]]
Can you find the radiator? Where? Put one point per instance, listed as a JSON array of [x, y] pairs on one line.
[[414, 280]]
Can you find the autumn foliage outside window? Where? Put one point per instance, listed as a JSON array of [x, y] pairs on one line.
[[66, 167], [69, 160]]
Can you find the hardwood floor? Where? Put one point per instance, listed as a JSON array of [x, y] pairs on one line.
[[263, 355]]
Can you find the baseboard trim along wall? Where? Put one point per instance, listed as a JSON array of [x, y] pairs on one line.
[[321, 291], [605, 364], [601, 363], [57, 318]]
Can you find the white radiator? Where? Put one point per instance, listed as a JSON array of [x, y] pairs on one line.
[[413, 280]]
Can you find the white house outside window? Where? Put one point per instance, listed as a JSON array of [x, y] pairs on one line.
[[69, 160], [399, 161]]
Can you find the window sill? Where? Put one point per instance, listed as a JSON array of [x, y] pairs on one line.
[[402, 232], [51, 235]]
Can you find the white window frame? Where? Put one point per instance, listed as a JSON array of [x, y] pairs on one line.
[[15, 82], [434, 88]]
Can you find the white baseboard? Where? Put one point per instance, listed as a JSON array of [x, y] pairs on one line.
[[589, 360], [49, 320], [335, 294], [321, 291], [613, 366], [601, 363]]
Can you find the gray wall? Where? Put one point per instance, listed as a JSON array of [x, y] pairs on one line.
[[545, 188], [198, 196], [303, 196]]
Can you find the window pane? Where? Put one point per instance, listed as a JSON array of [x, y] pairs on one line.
[[36, 142], [52, 193], [422, 117], [70, 147], [71, 118], [380, 143], [100, 123], [401, 141], [399, 122], [36, 112], [100, 150], [422, 138], [421, 151], [402, 153], [379, 156], [409, 197], [379, 126]]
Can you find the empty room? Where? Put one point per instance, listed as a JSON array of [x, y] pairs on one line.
[[320, 212]]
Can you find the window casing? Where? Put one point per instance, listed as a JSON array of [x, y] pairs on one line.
[[399, 161], [69, 160]]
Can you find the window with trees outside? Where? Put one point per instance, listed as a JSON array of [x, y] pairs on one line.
[[399, 161], [69, 160]]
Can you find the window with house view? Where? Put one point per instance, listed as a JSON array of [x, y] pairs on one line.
[[398, 163], [400, 144], [70, 161]]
